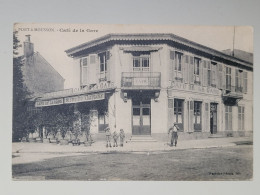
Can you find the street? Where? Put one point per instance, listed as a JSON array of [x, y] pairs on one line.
[[223, 163]]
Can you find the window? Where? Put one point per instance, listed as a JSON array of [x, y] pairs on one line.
[[196, 70], [141, 63], [213, 74], [178, 112], [178, 65], [84, 71], [239, 79], [241, 118], [103, 65], [197, 116], [245, 82], [228, 117], [228, 78]]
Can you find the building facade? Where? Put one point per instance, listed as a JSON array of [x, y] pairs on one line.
[[143, 83]]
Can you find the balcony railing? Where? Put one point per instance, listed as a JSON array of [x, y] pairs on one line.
[[233, 91], [141, 80]]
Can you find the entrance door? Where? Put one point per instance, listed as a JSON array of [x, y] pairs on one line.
[[213, 118], [141, 116]]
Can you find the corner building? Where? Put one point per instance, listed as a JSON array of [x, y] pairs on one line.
[[158, 79]]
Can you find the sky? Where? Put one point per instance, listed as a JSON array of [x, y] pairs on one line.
[[51, 40]]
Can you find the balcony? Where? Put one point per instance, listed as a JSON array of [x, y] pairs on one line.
[[233, 92], [141, 80]]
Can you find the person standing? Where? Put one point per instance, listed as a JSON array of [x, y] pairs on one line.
[[122, 137], [108, 137], [115, 137], [173, 131]]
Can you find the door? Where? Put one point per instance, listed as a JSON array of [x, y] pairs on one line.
[[213, 118], [141, 116]]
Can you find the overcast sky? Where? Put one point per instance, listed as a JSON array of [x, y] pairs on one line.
[[52, 45]]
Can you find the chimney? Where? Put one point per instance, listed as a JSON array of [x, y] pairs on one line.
[[28, 47]]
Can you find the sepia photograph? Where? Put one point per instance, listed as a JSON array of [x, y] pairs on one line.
[[108, 102]]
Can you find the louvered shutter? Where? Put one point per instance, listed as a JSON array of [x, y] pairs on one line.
[[233, 79], [200, 71], [93, 69], [220, 76], [170, 112], [191, 114], [183, 68], [245, 82], [171, 68], [108, 65], [191, 68], [205, 73], [217, 75], [186, 72], [223, 76], [84, 71]]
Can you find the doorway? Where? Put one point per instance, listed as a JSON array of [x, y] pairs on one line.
[[213, 118], [141, 116]]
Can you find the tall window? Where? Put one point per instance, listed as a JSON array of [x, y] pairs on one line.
[[178, 65], [84, 67], [196, 70], [197, 116], [141, 63], [241, 118], [228, 117], [178, 112], [213, 73], [239, 78], [228, 78], [103, 65]]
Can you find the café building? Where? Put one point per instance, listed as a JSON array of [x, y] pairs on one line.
[[143, 83]]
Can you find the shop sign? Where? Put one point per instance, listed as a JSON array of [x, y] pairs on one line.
[[141, 82], [49, 102], [84, 98], [87, 89]]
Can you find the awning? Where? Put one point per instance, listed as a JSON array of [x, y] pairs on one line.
[[140, 49]]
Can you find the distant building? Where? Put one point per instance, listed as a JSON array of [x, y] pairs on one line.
[[142, 83]]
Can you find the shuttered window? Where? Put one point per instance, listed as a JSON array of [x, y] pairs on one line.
[[84, 71], [220, 76], [228, 117], [178, 112], [238, 80], [197, 70], [209, 73], [228, 78], [197, 116], [171, 65], [178, 66], [241, 118], [213, 74]]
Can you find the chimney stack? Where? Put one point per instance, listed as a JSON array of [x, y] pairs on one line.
[[28, 47]]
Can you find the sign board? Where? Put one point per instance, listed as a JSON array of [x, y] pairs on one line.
[[49, 102], [141, 81], [84, 98]]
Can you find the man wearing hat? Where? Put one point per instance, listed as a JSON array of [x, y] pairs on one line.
[[173, 131]]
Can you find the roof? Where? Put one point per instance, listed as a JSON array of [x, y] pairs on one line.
[[158, 37]]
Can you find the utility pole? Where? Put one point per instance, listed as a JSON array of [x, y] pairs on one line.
[[233, 52]]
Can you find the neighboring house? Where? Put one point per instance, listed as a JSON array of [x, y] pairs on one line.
[[39, 76], [142, 83], [243, 55]]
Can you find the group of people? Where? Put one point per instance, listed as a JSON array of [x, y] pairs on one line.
[[115, 137]]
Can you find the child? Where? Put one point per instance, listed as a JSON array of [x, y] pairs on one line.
[[115, 137], [122, 137], [173, 131], [108, 136]]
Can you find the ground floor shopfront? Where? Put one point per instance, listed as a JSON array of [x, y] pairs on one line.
[[198, 113]]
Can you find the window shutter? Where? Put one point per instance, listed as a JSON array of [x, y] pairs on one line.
[[220, 75], [84, 70], [205, 73], [170, 112], [93, 69], [223, 76], [191, 114], [200, 71], [233, 78], [245, 82], [191, 67], [171, 68], [108, 65], [217, 75], [183, 68]]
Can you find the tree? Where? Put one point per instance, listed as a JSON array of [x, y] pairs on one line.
[[20, 93]]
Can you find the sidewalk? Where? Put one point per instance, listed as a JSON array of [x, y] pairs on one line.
[[100, 147]]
